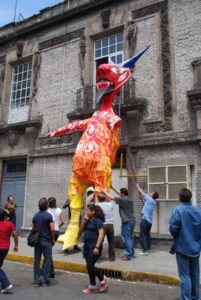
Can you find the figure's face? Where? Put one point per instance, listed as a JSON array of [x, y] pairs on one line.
[[110, 79]]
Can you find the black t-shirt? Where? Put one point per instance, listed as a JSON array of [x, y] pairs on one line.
[[42, 220], [91, 232]]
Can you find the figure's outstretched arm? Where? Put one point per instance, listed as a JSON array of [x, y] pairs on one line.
[[80, 125]]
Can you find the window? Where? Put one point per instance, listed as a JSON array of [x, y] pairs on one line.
[[21, 84], [15, 167], [169, 180], [109, 48]]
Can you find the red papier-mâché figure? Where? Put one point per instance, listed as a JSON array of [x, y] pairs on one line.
[[96, 150]]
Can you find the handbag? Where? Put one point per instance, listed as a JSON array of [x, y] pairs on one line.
[[34, 237]]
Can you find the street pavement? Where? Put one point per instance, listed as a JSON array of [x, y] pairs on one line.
[[69, 285], [158, 266]]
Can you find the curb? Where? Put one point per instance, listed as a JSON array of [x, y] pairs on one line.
[[111, 272]]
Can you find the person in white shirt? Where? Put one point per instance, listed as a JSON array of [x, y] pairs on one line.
[[58, 219], [57, 215], [107, 208]]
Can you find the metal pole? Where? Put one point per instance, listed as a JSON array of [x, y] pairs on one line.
[[15, 11]]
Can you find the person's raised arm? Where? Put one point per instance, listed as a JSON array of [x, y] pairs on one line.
[[109, 197], [115, 190], [140, 191], [80, 125]]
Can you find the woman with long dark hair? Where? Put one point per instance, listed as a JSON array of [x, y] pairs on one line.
[[10, 208], [92, 227]]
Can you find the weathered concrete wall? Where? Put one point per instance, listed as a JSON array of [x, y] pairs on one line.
[[186, 42], [46, 177], [57, 84]]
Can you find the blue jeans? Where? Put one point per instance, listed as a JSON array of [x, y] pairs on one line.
[[127, 236], [45, 248], [189, 274], [3, 277], [145, 240]]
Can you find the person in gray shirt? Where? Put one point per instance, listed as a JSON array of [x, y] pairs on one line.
[[107, 208], [126, 212]]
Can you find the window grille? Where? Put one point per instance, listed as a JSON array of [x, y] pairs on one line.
[[21, 85], [168, 180], [109, 47]]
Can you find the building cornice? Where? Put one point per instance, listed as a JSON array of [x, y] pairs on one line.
[[166, 140], [23, 31]]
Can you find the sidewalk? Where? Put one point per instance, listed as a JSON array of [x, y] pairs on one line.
[[158, 266]]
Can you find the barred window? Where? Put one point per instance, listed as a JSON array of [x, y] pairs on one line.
[[21, 85]]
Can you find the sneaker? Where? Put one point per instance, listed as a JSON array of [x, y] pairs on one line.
[[104, 285], [89, 290], [7, 289], [143, 253], [37, 284], [46, 284], [124, 258]]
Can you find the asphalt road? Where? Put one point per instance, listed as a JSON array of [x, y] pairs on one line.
[[69, 286]]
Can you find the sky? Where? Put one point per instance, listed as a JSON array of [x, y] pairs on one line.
[[25, 8]]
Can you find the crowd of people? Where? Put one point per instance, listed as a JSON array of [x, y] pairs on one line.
[[98, 222]]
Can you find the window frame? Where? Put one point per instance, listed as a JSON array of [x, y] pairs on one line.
[[188, 181], [12, 100], [109, 55]]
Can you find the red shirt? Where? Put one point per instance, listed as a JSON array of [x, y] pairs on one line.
[[6, 228]]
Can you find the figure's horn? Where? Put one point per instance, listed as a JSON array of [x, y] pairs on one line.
[[131, 61]]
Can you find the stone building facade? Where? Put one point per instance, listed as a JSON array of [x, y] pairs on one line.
[[47, 78]]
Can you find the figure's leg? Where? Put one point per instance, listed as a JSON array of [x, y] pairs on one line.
[[75, 192]]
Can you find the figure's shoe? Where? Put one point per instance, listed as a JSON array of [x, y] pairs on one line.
[[7, 289], [104, 285], [89, 290]]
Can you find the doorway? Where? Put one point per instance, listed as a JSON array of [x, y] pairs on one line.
[[13, 183]]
